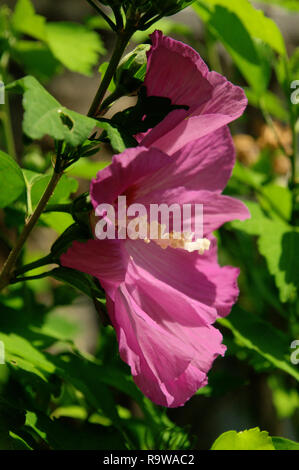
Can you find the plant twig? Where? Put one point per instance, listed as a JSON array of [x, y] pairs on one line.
[[121, 44], [9, 265], [5, 116], [35, 264], [67, 208], [118, 18], [31, 278], [100, 12], [147, 25]]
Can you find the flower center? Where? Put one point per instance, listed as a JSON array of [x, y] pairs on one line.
[[157, 233]]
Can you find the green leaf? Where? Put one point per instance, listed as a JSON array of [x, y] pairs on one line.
[[285, 398], [61, 435], [45, 116], [241, 28], [87, 169], [81, 281], [277, 200], [75, 232], [26, 21], [115, 136], [36, 58], [18, 443], [230, 30], [58, 326], [294, 63], [96, 22], [278, 243], [254, 225], [37, 183], [85, 376], [251, 439], [280, 443], [258, 25], [11, 180], [169, 10], [248, 176], [292, 5], [255, 334], [21, 354], [11, 419], [167, 25], [74, 46], [58, 221], [271, 103]]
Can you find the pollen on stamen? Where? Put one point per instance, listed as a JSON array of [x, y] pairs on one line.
[[157, 232], [184, 241]]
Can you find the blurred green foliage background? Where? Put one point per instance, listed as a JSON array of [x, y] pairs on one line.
[[63, 385]]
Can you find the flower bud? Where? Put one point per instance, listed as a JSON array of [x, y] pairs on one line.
[[132, 68]]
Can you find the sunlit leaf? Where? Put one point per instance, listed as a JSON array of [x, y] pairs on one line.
[[280, 443], [45, 116], [254, 333], [292, 5], [36, 58], [26, 21], [11, 179], [252, 439], [74, 45]]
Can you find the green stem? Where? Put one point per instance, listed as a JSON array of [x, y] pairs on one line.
[[35, 264], [292, 113], [147, 17], [293, 156], [31, 278], [294, 148], [7, 128], [150, 23], [59, 208], [100, 12], [121, 44], [267, 198], [5, 116], [111, 98], [7, 271], [293, 179], [118, 18]]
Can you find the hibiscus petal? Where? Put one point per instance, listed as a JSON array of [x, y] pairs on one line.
[[102, 259], [219, 209], [161, 352], [213, 101], [126, 169], [189, 129], [209, 288], [227, 99], [170, 58], [204, 164]]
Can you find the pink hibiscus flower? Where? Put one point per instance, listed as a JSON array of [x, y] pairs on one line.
[[163, 302], [176, 71]]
